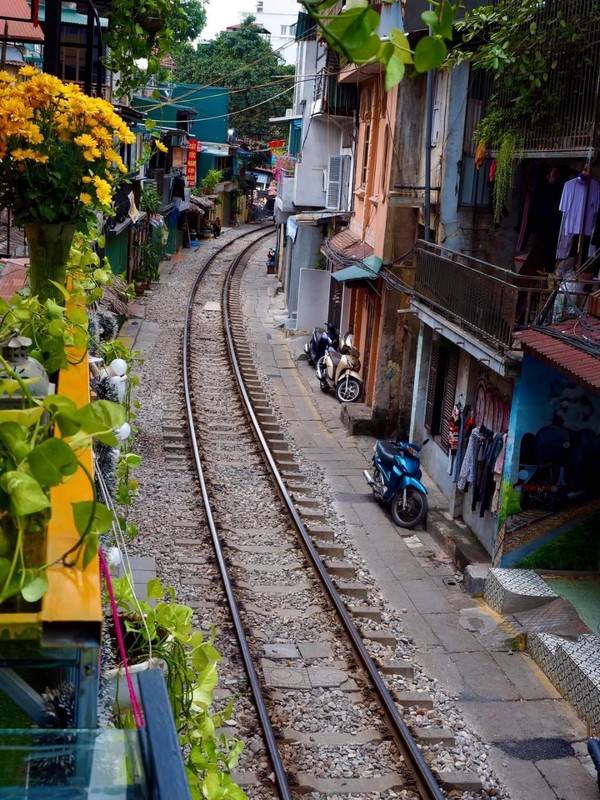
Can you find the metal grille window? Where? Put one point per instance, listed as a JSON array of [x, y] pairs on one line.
[[441, 389]]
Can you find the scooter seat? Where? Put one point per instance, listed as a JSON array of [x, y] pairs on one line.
[[387, 451], [334, 356]]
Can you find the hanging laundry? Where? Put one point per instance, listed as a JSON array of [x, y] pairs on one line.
[[579, 204], [468, 469]]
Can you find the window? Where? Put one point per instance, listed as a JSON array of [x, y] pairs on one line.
[[286, 30], [441, 389], [365, 155], [474, 190], [259, 6]]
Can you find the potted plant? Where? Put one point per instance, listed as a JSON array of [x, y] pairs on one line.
[[158, 634], [141, 30], [211, 179], [150, 201], [58, 165]]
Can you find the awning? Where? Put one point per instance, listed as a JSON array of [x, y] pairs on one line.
[[345, 245], [367, 270], [213, 151], [202, 202], [20, 22], [569, 347]]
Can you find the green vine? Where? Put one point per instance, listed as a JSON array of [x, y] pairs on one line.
[[534, 54]]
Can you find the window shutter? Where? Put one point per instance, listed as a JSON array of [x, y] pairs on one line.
[[449, 395], [431, 383], [334, 182], [337, 178]]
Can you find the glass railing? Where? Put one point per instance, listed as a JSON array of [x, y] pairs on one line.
[[71, 764]]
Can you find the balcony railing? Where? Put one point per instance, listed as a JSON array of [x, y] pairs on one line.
[[489, 301]]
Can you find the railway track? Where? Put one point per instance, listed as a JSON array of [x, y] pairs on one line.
[[329, 724]]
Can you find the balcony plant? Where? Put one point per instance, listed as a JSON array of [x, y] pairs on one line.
[[211, 179], [141, 30], [158, 631], [58, 164], [32, 461], [284, 165]]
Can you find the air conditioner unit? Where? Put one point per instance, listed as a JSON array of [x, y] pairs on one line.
[[338, 183]]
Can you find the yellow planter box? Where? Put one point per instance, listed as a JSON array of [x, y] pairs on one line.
[[73, 600]]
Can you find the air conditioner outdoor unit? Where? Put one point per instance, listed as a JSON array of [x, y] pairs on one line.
[[338, 183]]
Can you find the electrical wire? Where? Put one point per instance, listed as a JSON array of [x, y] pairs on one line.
[[196, 88]]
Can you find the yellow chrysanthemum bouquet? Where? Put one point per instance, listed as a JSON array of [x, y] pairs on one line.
[[59, 158]]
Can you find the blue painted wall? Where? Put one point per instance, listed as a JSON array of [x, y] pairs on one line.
[[212, 107]]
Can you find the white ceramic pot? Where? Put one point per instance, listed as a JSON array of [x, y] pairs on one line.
[[117, 683]]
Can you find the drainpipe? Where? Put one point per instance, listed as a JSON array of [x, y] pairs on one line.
[[427, 235]]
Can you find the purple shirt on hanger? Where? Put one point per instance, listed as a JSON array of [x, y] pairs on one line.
[[572, 202]]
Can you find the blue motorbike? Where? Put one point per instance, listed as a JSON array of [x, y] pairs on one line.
[[396, 481]]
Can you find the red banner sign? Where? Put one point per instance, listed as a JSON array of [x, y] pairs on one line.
[[190, 167]]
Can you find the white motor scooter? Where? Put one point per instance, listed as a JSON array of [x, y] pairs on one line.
[[339, 371]]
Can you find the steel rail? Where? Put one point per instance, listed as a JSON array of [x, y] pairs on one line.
[[269, 735], [425, 780]]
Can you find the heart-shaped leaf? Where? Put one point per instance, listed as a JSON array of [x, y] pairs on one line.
[[14, 438], [36, 585], [101, 418], [82, 513], [354, 27], [402, 47], [51, 461], [26, 495], [430, 53], [394, 72]]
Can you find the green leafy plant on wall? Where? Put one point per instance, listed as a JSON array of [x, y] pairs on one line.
[[160, 628], [32, 461], [211, 179], [533, 55]]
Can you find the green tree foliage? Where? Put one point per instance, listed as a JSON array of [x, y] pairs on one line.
[[534, 52], [245, 63], [148, 30]]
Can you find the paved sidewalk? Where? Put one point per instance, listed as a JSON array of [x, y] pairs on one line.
[[538, 742]]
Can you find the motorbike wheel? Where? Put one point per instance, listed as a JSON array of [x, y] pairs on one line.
[[348, 390], [320, 365], [415, 510], [324, 386]]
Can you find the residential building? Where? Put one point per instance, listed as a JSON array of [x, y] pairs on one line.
[[488, 303], [315, 191], [278, 18]]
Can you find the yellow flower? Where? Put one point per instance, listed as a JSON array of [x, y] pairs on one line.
[[161, 147], [91, 155], [6, 77], [85, 198], [85, 140], [112, 156], [86, 179], [28, 71], [21, 154], [103, 190]]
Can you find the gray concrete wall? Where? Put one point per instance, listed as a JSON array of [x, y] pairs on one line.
[[304, 254]]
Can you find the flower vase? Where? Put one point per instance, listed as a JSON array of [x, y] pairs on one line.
[[49, 245]]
